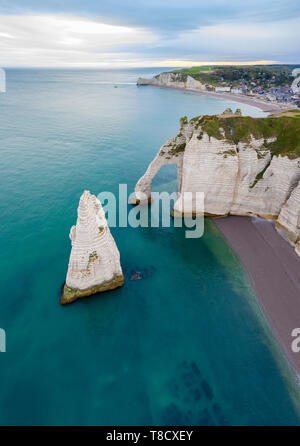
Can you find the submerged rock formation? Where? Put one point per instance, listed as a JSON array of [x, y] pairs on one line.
[[244, 166], [94, 264]]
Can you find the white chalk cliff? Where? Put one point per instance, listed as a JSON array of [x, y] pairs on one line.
[[288, 222], [175, 80], [237, 162], [94, 264]]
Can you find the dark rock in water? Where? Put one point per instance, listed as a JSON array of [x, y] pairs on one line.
[[136, 275], [206, 419], [195, 369], [172, 416], [221, 419], [188, 390], [148, 272], [197, 395], [207, 390], [187, 378]]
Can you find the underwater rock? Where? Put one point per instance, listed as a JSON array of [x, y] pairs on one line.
[[207, 390], [206, 419], [221, 419], [148, 272], [172, 416], [136, 275]]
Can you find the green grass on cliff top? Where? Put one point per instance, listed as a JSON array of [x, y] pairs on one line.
[[264, 75], [194, 70], [237, 129]]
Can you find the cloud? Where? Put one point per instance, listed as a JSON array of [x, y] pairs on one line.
[[154, 33], [162, 15], [45, 40], [244, 40]]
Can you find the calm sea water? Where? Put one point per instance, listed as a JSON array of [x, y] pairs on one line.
[[185, 345]]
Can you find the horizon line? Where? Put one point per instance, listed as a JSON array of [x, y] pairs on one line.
[[113, 67]]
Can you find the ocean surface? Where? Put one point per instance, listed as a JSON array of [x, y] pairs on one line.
[[186, 344]]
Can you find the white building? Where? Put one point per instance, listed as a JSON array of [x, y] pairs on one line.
[[222, 89], [236, 90]]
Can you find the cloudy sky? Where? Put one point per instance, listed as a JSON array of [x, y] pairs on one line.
[[117, 33]]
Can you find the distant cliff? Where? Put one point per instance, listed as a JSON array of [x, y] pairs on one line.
[[175, 80], [227, 78], [245, 166]]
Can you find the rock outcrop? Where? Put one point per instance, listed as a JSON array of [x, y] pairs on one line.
[[94, 264], [244, 166], [175, 80]]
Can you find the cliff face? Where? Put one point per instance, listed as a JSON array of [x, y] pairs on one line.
[[94, 264], [288, 222], [244, 166], [175, 80]]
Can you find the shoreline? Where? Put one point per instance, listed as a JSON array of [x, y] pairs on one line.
[[243, 99], [273, 269]]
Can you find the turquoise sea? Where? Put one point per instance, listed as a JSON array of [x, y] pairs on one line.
[[185, 345]]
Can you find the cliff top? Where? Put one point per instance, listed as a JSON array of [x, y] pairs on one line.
[[263, 75], [284, 129], [295, 113]]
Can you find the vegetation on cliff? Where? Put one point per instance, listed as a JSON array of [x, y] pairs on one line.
[[177, 149], [271, 75], [285, 130], [184, 120], [260, 174]]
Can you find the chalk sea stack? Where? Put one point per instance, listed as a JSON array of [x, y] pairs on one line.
[[94, 264], [245, 166]]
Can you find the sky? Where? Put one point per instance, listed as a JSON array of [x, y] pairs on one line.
[[141, 33]]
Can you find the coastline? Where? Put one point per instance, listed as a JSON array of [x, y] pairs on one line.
[[273, 269], [254, 102]]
